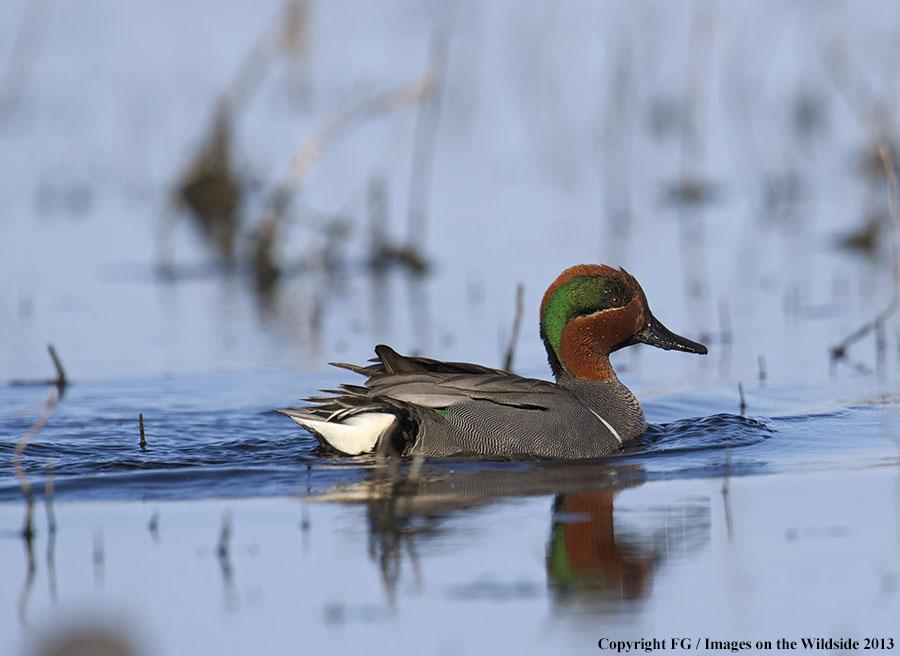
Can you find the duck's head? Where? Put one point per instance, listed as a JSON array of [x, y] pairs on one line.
[[590, 311]]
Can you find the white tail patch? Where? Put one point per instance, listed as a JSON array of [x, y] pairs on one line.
[[356, 434]]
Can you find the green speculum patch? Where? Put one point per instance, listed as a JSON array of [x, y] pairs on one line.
[[581, 295]]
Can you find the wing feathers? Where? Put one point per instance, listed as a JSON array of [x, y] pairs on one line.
[[353, 418]]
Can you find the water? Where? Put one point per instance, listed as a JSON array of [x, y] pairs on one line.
[[566, 133], [722, 526], [214, 446]]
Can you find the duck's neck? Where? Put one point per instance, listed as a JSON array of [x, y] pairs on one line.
[[582, 362], [591, 368]]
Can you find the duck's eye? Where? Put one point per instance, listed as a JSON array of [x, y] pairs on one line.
[[615, 301]]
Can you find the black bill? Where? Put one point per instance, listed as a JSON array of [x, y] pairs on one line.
[[656, 334]]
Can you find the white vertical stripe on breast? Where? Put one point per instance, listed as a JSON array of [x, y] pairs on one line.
[[608, 425]]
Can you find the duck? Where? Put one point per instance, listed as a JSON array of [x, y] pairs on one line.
[[419, 407]]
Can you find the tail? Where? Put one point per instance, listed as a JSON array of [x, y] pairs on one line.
[[350, 420], [350, 433]]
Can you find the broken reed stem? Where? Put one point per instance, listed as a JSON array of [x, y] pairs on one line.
[[743, 400], [61, 380], [143, 439], [19, 471], [311, 151], [840, 350], [517, 322]]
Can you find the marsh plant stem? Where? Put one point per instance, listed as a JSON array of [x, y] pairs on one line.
[[61, 380], [19, 471], [840, 350]]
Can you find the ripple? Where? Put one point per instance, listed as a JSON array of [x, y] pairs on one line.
[[717, 431]]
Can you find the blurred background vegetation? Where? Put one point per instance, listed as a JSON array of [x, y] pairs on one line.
[[191, 187]]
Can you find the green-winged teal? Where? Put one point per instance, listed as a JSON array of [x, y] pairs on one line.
[[418, 406]]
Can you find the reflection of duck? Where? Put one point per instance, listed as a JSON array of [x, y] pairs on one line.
[[419, 406], [583, 553]]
